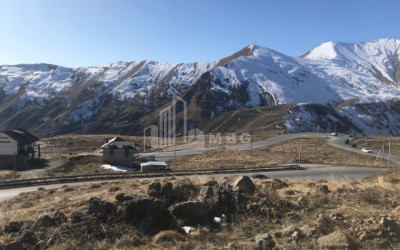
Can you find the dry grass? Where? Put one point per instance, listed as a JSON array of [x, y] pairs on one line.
[[313, 150], [30, 206], [72, 145], [356, 200], [67, 146], [376, 143], [85, 164], [6, 174]]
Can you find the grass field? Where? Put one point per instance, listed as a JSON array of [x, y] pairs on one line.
[[6, 174], [361, 203], [377, 143], [72, 145], [313, 151], [80, 159]]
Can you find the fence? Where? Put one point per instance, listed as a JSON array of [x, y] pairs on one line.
[[111, 176]]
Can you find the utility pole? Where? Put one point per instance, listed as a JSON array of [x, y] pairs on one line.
[[15, 170], [175, 152], [251, 142], [384, 144], [299, 152], [51, 141], [175, 148], [390, 144], [381, 150]]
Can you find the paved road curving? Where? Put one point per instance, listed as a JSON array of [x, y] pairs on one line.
[[311, 172], [336, 141], [258, 144], [339, 142]]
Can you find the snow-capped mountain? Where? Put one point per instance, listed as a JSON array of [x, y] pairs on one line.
[[341, 79]]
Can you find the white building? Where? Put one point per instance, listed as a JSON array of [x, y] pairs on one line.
[[16, 148]]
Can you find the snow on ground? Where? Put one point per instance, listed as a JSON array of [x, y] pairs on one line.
[[117, 168], [329, 74], [85, 111]]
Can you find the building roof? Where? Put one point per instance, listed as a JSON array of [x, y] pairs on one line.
[[21, 136], [118, 143]]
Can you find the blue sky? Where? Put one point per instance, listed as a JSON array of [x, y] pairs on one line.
[[77, 33]]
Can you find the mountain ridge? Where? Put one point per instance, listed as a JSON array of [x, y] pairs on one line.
[[85, 99]]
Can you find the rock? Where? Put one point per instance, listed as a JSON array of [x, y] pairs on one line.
[[15, 246], [95, 205], [154, 190], [139, 206], [208, 192], [264, 241], [78, 216], [121, 197], [228, 200], [156, 221], [195, 212], [169, 236], [44, 221], [13, 227], [322, 188], [101, 209], [307, 230], [166, 189], [389, 224], [210, 196], [245, 184], [28, 237], [176, 194], [59, 217], [335, 240]]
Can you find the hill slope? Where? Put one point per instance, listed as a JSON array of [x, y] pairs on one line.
[[356, 87]]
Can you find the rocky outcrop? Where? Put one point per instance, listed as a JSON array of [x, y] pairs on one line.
[[27, 237], [60, 218], [335, 240], [245, 184], [44, 221]]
